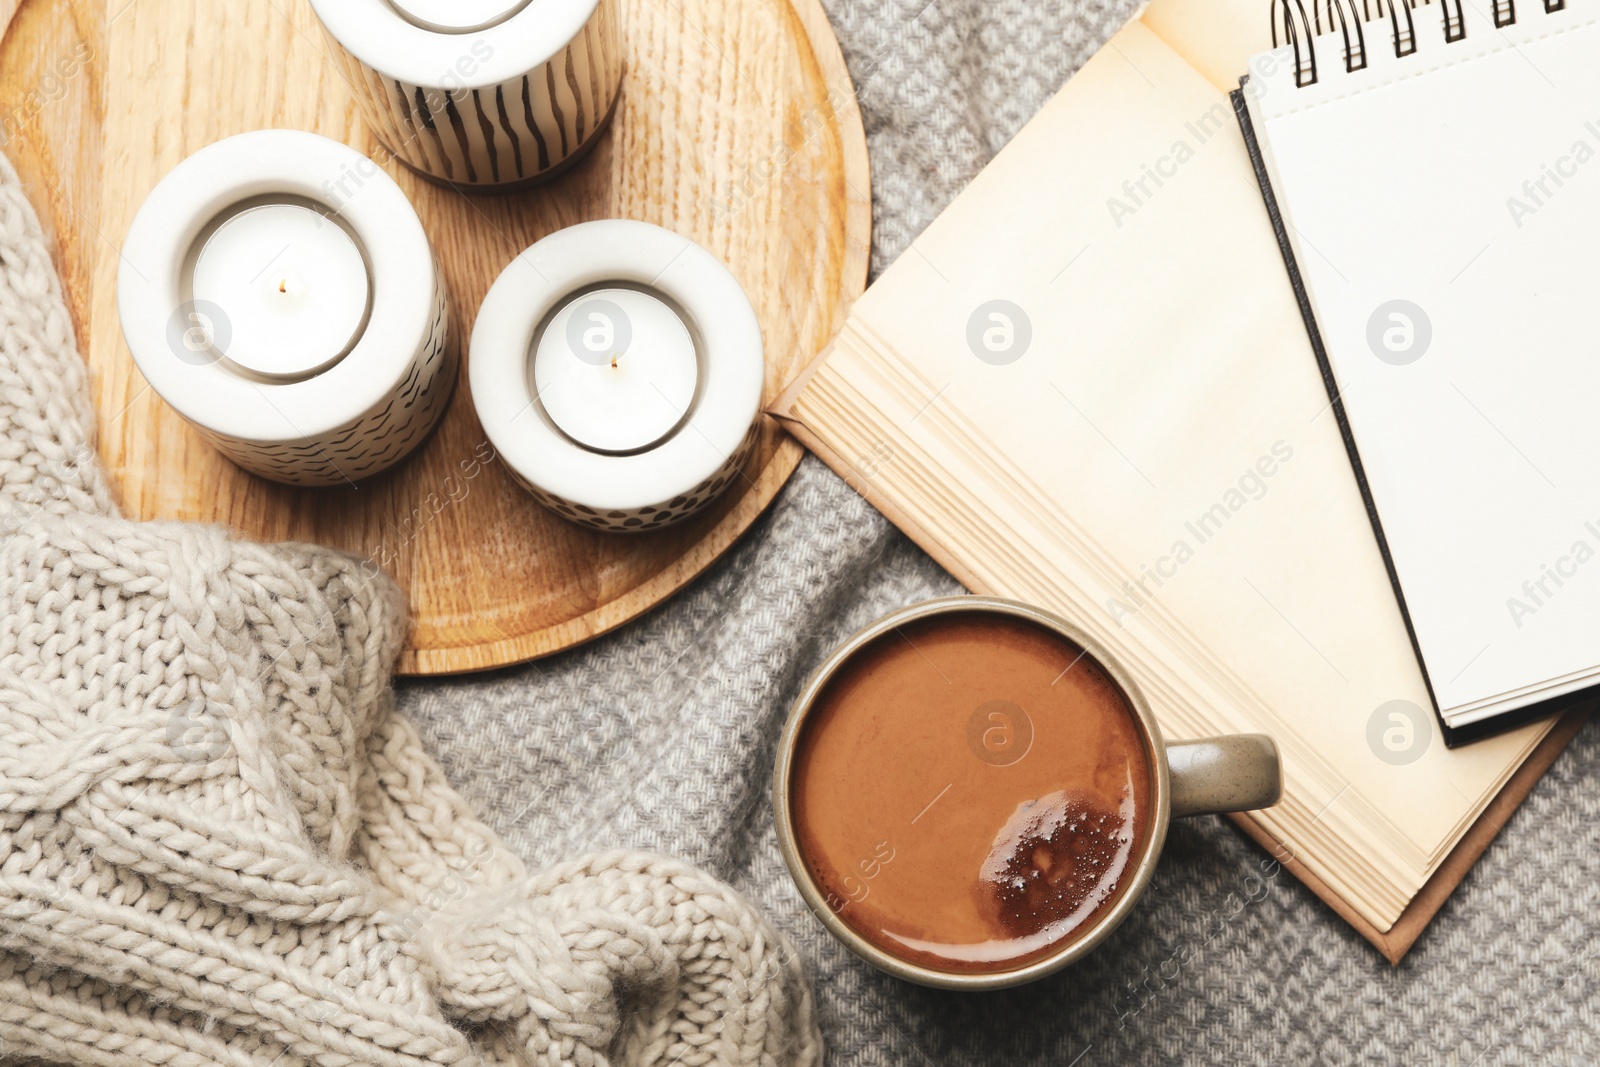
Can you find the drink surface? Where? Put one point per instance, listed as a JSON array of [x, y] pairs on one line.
[[971, 792]]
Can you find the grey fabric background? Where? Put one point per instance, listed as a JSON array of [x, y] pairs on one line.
[[661, 736]]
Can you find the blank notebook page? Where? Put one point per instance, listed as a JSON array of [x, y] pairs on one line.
[[1444, 209]]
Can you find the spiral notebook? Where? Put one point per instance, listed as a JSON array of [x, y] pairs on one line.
[[1434, 178], [1089, 385]]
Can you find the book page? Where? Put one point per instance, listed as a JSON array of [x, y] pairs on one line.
[[1218, 38]]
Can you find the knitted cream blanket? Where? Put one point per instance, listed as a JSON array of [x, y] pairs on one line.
[[220, 845]]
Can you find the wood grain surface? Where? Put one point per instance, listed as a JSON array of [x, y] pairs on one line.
[[738, 127]]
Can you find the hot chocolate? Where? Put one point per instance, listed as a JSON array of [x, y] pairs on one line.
[[971, 792]]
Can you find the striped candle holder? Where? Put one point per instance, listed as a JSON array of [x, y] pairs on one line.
[[306, 340], [481, 94]]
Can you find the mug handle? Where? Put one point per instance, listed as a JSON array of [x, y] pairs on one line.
[[1211, 775]]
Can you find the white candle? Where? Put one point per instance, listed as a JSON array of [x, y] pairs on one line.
[[616, 370], [292, 285], [458, 16]]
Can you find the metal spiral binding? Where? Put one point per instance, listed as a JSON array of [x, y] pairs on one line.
[[1300, 30], [1305, 66], [1405, 42]]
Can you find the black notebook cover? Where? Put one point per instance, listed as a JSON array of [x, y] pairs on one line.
[[1453, 736]]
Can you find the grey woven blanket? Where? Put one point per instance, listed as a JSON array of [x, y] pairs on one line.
[[661, 736]]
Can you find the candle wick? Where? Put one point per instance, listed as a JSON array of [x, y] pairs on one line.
[[283, 285], [613, 362]]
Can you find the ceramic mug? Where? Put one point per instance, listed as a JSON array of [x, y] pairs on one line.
[[1207, 776]]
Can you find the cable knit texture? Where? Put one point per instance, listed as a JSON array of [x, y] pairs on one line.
[[219, 844]]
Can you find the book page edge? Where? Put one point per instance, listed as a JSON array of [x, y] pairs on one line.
[[1399, 939]]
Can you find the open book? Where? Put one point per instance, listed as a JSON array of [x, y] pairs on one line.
[[1088, 385]]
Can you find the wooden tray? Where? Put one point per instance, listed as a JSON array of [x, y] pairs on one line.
[[738, 127]]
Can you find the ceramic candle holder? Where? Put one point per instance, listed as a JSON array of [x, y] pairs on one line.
[[487, 94], [302, 334], [617, 368]]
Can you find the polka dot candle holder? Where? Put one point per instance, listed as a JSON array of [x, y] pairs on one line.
[[617, 368]]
